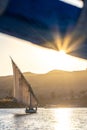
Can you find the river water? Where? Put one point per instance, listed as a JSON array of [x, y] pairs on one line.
[[44, 119]]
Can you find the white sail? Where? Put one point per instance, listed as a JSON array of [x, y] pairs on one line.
[[22, 89]]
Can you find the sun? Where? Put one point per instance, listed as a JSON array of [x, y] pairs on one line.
[[62, 52]]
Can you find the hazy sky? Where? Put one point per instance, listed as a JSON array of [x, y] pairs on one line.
[[32, 58]]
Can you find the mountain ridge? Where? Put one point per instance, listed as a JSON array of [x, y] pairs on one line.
[[55, 87]]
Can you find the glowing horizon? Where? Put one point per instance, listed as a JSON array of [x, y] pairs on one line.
[[34, 58]]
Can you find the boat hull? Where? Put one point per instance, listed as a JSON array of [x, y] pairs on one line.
[[30, 111]]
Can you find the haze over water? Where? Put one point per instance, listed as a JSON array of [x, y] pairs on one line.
[[44, 119]]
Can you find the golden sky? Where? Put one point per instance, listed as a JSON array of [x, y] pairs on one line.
[[33, 58]]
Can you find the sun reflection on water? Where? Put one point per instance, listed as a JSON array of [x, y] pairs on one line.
[[63, 119]]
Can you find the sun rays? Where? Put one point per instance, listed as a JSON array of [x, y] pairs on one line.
[[70, 42]]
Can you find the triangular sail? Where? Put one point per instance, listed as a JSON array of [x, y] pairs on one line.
[[22, 89]]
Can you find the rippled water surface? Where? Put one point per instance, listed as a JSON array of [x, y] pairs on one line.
[[44, 119]]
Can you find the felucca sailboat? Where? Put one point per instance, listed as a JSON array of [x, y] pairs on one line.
[[23, 91]]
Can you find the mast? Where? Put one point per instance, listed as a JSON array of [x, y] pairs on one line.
[[22, 89]]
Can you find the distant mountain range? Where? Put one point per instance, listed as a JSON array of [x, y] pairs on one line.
[[53, 88]]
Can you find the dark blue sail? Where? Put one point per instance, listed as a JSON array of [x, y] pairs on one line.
[[38, 20], [35, 20]]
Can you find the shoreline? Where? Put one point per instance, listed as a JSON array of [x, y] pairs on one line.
[[14, 104], [10, 102]]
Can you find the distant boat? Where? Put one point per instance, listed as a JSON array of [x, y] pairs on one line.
[[23, 91]]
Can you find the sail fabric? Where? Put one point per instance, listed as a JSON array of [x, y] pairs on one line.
[[33, 99], [41, 9], [22, 88], [3, 5], [37, 20]]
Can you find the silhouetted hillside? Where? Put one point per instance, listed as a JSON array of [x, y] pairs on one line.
[[55, 87]]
